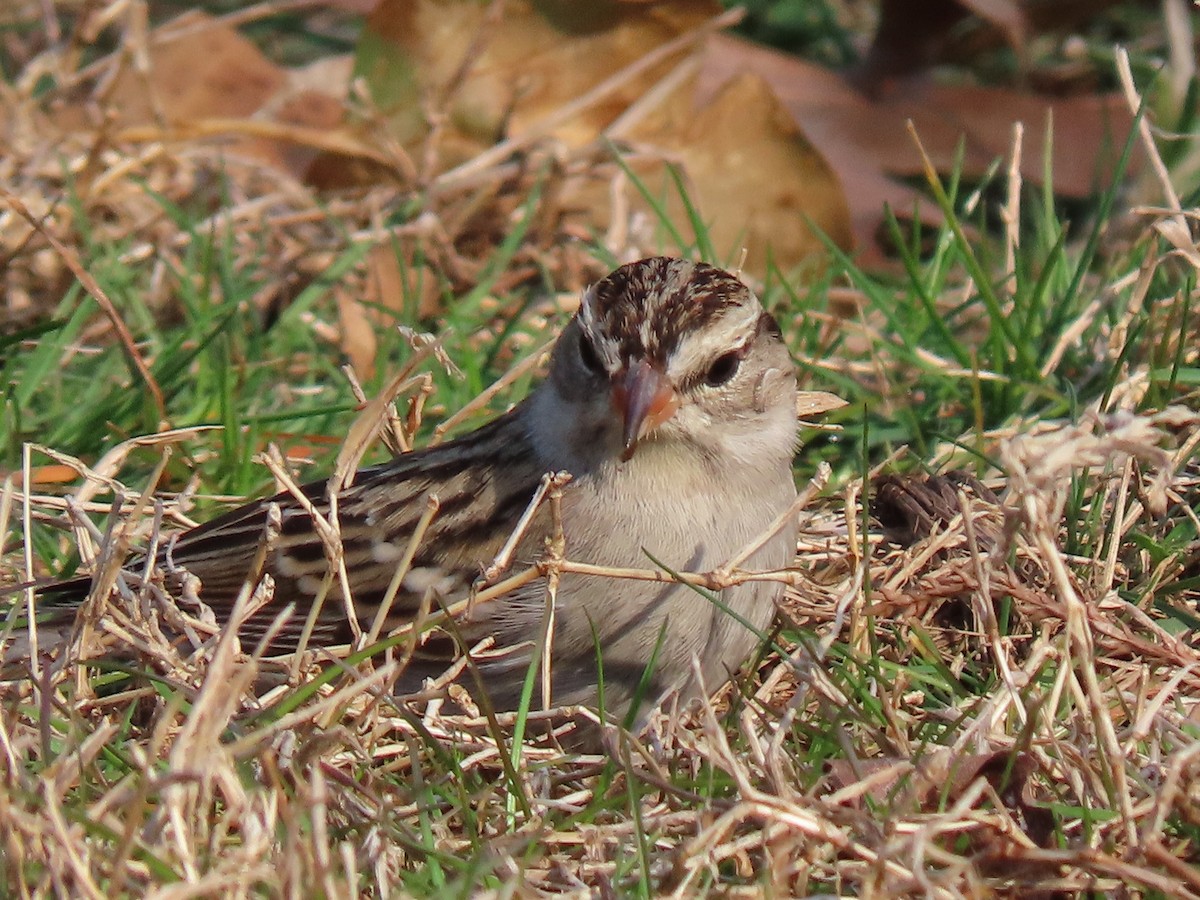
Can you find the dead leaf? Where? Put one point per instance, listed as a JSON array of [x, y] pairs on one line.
[[313, 99], [388, 292], [757, 182], [209, 70], [814, 403], [356, 332], [834, 118], [911, 36], [940, 777], [1086, 132], [865, 140], [206, 82], [501, 75], [755, 178]]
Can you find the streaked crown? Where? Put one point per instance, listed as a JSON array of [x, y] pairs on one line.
[[645, 308]]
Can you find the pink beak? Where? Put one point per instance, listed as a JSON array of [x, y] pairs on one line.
[[645, 398]]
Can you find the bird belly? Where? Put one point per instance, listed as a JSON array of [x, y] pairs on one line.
[[638, 638]]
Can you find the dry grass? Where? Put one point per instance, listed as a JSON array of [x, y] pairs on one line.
[[1073, 767], [999, 698]]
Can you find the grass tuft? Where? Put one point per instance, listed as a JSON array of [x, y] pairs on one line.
[[977, 685]]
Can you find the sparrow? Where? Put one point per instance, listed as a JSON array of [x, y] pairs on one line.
[[670, 401]]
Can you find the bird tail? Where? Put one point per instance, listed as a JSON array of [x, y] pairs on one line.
[[55, 608]]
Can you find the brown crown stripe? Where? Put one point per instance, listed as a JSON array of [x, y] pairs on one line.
[[767, 324], [654, 290]]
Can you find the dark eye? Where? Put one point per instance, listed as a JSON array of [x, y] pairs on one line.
[[587, 356], [723, 369]]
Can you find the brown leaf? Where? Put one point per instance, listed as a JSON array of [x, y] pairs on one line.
[[911, 36], [1087, 131], [500, 76], [209, 70], [814, 403], [1007, 15], [313, 99], [411, 290], [356, 332], [755, 178], [838, 120], [390, 292], [866, 141], [911, 507], [938, 778], [205, 81]]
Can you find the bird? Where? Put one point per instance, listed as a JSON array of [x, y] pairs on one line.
[[670, 402]]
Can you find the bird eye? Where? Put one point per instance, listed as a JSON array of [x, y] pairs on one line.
[[723, 369], [587, 356]]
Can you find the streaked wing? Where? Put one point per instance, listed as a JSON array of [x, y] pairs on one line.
[[483, 482]]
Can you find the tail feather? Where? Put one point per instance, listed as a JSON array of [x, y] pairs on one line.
[[55, 609]]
